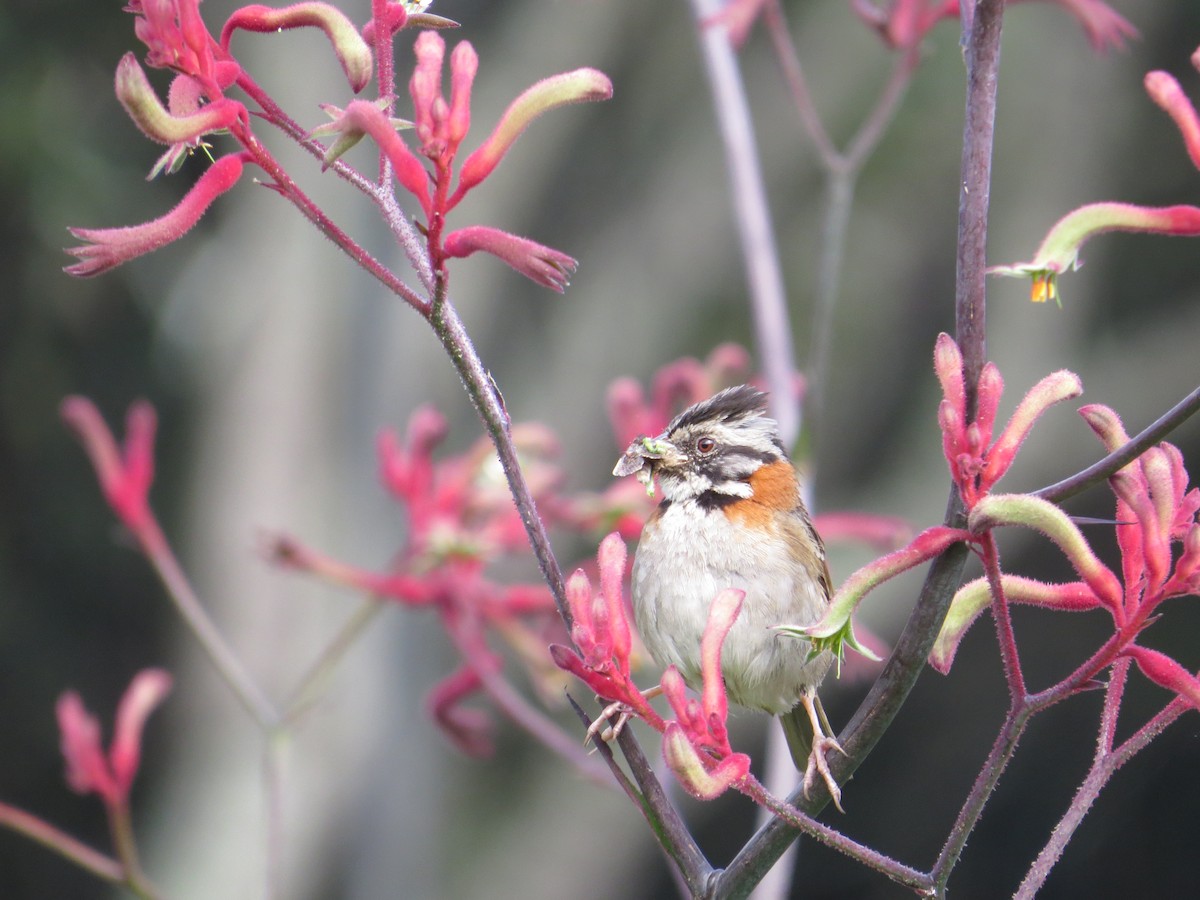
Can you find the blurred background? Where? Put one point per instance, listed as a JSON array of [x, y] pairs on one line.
[[273, 362]]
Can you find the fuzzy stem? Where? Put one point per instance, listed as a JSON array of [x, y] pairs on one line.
[[664, 819], [120, 825], [1098, 775], [1001, 752], [970, 288], [42, 832], [156, 549], [286, 186], [830, 837], [1003, 619]]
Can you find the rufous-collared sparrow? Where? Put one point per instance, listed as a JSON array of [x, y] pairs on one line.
[[731, 516]]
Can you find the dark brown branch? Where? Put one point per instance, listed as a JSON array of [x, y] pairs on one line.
[[1122, 456], [907, 661]]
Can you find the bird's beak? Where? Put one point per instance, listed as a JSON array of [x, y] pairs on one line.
[[642, 458]]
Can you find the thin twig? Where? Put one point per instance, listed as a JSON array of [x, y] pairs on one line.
[[831, 837], [60, 842], [1009, 654], [480, 388], [1122, 456], [768, 295], [308, 686], [227, 663], [993, 767], [1098, 775]]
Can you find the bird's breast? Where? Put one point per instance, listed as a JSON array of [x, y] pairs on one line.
[[686, 556]]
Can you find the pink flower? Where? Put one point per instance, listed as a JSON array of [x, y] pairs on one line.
[[471, 730], [125, 474], [461, 518], [359, 119], [1166, 672], [440, 125], [696, 745], [1167, 93], [544, 265], [108, 248], [177, 39], [1155, 513], [1059, 250], [395, 16], [89, 768], [602, 633], [351, 49], [579, 86], [1155, 510], [903, 24], [976, 462], [153, 119]]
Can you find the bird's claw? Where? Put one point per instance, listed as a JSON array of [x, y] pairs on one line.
[[818, 763], [600, 728]]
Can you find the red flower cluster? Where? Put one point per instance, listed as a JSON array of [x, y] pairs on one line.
[[1156, 513], [111, 774], [976, 462], [460, 519], [441, 125], [696, 742]]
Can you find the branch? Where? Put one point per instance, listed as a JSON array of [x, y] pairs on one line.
[[1122, 456], [768, 296], [970, 288], [487, 402], [1098, 775], [668, 825], [60, 842], [886, 696]]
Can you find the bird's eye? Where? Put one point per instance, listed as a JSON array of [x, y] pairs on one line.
[[705, 445]]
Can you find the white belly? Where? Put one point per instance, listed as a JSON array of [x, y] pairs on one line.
[[683, 561]]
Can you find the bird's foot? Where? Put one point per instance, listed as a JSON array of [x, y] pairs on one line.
[[600, 727], [818, 764], [818, 760]]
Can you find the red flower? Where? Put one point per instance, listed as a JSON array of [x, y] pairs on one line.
[[177, 39], [1155, 512], [108, 248], [440, 125], [89, 768], [125, 474], [976, 462]]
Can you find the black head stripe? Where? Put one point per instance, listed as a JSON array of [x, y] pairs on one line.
[[729, 405]]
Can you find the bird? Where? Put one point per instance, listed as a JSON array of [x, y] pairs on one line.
[[731, 516]]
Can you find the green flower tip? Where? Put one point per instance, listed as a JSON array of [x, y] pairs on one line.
[[835, 641], [1059, 251]]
